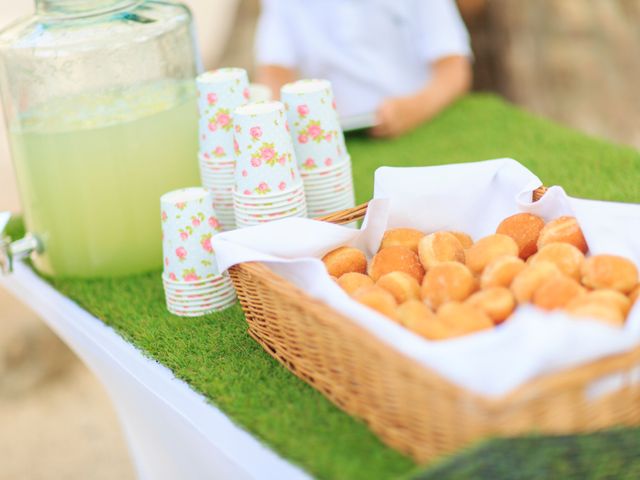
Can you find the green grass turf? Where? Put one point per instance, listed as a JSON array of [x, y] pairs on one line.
[[217, 358]]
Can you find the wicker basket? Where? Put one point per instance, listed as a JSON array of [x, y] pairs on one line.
[[411, 408]]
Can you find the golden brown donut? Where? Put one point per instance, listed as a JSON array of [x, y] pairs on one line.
[[462, 319], [611, 297], [487, 249], [609, 271], [557, 292], [378, 299], [401, 237], [524, 228], [416, 316], [352, 281], [501, 272], [597, 310], [565, 230], [446, 282], [528, 280], [439, 247], [344, 260], [465, 240], [497, 302], [396, 259], [564, 255], [401, 285]]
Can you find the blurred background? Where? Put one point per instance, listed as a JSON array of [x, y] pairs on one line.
[[574, 61]]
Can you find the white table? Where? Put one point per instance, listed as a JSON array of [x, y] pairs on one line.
[[172, 432]]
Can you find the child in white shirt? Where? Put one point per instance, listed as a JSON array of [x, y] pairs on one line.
[[404, 60]]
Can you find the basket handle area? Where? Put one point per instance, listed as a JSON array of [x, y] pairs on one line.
[[358, 212]]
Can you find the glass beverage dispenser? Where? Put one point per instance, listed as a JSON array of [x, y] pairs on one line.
[[99, 100]]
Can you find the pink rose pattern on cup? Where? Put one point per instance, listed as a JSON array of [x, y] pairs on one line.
[[263, 154], [217, 99], [187, 230], [316, 129]]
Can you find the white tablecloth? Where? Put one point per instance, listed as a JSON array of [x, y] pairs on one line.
[[172, 432]]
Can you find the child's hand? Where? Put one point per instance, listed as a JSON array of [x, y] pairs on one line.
[[397, 116]]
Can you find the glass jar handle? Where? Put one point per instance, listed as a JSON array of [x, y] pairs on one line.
[[11, 252]]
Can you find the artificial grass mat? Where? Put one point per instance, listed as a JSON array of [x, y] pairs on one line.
[[216, 357]]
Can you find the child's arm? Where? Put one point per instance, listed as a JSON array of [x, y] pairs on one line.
[[275, 77], [451, 78]]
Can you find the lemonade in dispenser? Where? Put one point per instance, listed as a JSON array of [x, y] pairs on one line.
[[99, 101]]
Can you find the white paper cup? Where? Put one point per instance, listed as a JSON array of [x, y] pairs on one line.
[[219, 93]]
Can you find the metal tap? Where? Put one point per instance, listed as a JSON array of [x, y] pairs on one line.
[[12, 251]]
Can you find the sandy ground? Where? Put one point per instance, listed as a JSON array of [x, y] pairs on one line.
[[56, 421]]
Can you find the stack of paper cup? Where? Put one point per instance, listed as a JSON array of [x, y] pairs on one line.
[[192, 283], [324, 163], [220, 92], [267, 181]]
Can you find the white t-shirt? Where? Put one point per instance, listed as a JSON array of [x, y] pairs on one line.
[[368, 49]]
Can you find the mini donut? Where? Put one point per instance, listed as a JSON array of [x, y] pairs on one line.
[[609, 271], [501, 272], [344, 260], [396, 259], [440, 247], [564, 255], [524, 228], [401, 237], [446, 282], [526, 282], [417, 317], [497, 302], [556, 292], [487, 249], [611, 297], [465, 240], [462, 319], [378, 299], [401, 285], [597, 310], [352, 281], [565, 230]]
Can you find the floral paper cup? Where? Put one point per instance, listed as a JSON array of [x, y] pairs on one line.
[[265, 162], [315, 128], [219, 93], [189, 222]]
